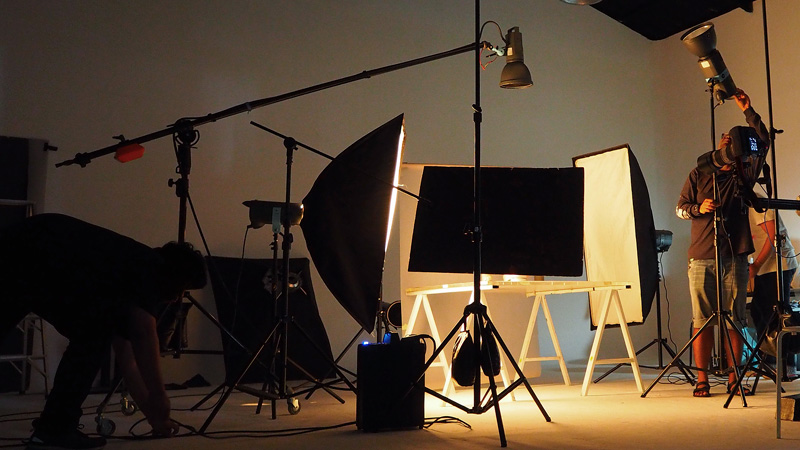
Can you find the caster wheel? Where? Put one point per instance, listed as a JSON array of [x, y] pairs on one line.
[[105, 427], [128, 407], [294, 405]]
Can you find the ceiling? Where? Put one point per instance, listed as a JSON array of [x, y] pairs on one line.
[[659, 19]]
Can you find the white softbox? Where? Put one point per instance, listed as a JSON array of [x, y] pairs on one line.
[[619, 234]]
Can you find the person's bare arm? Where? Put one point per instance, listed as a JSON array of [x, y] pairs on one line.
[[139, 361], [765, 250]]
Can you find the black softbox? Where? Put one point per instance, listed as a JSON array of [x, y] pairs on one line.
[[346, 217]]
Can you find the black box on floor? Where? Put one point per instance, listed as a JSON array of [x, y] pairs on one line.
[[385, 373]]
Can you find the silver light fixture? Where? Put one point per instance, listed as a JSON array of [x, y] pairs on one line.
[[701, 41]]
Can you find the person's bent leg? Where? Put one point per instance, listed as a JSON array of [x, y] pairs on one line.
[[57, 426], [73, 382]]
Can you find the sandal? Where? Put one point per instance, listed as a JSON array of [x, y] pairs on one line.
[[744, 389], [702, 389]]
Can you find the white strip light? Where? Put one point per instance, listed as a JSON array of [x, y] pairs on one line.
[[395, 183]]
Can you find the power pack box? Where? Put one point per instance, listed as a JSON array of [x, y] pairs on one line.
[[388, 399]]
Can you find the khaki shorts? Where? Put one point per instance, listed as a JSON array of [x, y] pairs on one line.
[[703, 289]]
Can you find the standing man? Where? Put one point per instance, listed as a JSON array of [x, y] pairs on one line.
[[96, 288], [697, 203], [764, 268]]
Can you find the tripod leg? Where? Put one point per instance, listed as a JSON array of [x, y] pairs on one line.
[[677, 357], [228, 391], [734, 356], [116, 385], [260, 403], [318, 384], [521, 376], [207, 397], [683, 368], [322, 353], [271, 382], [485, 358], [751, 359], [339, 358], [439, 349], [613, 369], [436, 352], [737, 387], [216, 322], [274, 409]]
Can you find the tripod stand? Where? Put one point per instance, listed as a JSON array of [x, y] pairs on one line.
[[279, 336], [722, 318], [185, 137], [660, 342], [772, 202], [761, 368], [733, 187], [483, 330]]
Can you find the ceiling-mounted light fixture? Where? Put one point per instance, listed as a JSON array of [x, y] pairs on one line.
[[581, 2]]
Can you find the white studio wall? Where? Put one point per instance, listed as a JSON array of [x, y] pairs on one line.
[[78, 73]]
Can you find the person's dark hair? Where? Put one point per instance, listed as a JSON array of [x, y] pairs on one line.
[[185, 265]]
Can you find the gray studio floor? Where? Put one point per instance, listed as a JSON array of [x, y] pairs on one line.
[[612, 416]]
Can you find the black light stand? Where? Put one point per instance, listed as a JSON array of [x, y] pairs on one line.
[[185, 136], [482, 326], [292, 403], [722, 318], [772, 203], [274, 247], [279, 336]]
